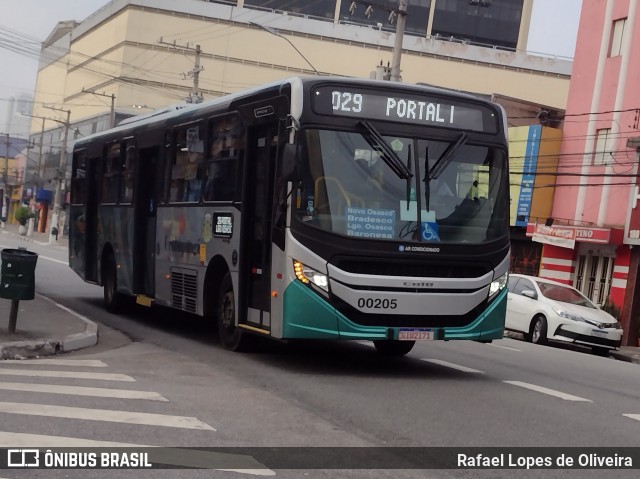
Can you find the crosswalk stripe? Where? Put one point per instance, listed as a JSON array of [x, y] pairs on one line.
[[550, 392], [106, 415], [82, 391], [452, 365], [633, 416], [179, 457], [66, 374], [90, 363]]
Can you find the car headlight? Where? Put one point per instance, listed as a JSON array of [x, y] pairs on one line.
[[498, 285], [310, 276], [574, 317]]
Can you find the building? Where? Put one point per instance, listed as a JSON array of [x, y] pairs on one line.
[[134, 56], [12, 167], [588, 239]]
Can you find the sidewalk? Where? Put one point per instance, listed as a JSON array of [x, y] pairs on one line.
[[43, 327], [39, 238]]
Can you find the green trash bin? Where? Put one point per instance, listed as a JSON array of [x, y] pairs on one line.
[[18, 275]]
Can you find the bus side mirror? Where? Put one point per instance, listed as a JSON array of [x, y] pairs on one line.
[[288, 169]]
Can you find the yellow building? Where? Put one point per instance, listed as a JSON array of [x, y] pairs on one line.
[[153, 53]]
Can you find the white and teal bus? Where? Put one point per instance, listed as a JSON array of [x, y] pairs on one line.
[[310, 208]]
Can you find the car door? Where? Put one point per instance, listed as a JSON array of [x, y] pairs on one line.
[[521, 308]]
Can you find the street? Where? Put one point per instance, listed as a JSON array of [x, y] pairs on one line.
[[160, 378]]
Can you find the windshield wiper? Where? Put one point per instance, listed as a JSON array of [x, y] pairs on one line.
[[374, 138], [447, 155]]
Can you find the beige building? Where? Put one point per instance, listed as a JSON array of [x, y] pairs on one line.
[[140, 55], [143, 52]]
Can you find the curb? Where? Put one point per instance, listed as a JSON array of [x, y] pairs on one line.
[[47, 347], [623, 357]]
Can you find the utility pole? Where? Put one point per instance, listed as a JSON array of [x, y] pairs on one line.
[[112, 117], [5, 174], [61, 177], [397, 47], [195, 96], [398, 14]]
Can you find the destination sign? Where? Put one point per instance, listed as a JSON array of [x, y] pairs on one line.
[[403, 107]]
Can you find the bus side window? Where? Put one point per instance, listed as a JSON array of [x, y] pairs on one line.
[[186, 177], [79, 179], [111, 174], [222, 163], [126, 190]]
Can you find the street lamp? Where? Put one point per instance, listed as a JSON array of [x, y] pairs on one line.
[[275, 32]]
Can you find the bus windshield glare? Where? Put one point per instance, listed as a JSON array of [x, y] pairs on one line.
[[456, 192]]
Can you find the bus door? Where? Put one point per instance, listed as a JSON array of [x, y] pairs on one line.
[[144, 243], [256, 224]]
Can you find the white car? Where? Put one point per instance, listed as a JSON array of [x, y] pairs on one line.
[[543, 309]]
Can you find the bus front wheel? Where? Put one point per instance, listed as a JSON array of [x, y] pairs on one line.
[[394, 348], [231, 337]]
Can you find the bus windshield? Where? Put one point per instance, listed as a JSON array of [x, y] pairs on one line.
[[456, 193]]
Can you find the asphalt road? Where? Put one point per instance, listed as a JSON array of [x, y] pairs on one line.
[[455, 394]]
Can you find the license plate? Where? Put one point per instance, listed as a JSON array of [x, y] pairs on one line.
[[416, 335], [599, 334]]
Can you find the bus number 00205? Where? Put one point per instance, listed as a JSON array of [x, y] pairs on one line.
[[377, 303]]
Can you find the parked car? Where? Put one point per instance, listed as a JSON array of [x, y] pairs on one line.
[[543, 309]]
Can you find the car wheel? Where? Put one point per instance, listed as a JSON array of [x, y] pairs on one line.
[[393, 348], [539, 330]]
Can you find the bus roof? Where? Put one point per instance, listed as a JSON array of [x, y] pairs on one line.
[[176, 111]]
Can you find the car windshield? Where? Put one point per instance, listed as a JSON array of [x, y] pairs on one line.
[[564, 294], [353, 186]]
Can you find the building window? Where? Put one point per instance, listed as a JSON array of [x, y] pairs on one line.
[[602, 150], [617, 34]]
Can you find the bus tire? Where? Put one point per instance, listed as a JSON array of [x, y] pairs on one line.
[[231, 337], [114, 301], [393, 348]]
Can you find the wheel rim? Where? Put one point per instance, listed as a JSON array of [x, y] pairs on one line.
[[537, 330]]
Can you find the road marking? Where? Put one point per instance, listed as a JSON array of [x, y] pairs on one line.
[[171, 456], [550, 392], [452, 366], [66, 263], [106, 415], [83, 391], [504, 347], [89, 363], [633, 416], [67, 374]]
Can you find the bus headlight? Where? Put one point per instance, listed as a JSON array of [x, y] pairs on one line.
[[498, 285], [310, 276]]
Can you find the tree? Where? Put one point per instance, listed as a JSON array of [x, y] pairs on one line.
[[23, 214]]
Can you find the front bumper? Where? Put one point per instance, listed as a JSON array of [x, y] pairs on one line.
[[309, 315], [584, 334]]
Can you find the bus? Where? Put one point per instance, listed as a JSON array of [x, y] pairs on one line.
[[309, 208]]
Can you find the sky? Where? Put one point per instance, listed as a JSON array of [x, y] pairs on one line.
[[553, 32]]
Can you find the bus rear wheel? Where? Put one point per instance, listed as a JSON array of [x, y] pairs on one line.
[[394, 348], [231, 337]]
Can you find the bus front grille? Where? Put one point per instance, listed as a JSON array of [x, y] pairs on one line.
[[184, 289]]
